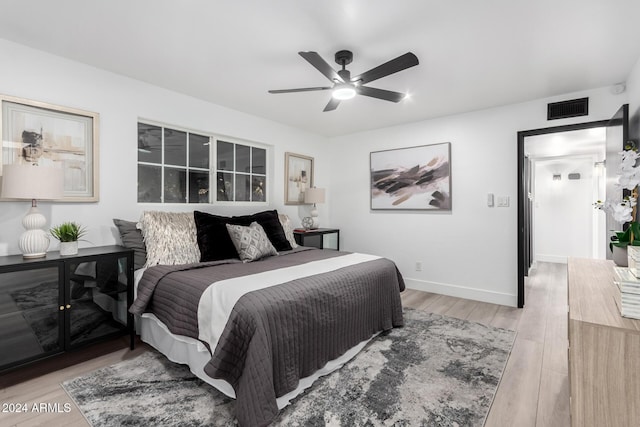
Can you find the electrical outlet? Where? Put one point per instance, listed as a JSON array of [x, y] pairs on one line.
[[418, 266]]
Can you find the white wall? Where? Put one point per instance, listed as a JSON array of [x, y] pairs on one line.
[[633, 88], [471, 251], [120, 101], [563, 217]]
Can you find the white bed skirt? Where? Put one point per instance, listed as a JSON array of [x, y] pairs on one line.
[[189, 351]]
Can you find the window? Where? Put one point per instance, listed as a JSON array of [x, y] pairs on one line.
[[173, 165], [241, 172], [176, 166]]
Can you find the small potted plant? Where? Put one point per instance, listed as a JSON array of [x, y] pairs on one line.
[[623, 239], [68, 233]]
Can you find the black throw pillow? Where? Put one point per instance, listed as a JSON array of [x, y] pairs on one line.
[[214, 241], [272, 227], [213, 238]]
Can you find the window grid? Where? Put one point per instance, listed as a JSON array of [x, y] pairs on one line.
[[234, 173], [213, 171]]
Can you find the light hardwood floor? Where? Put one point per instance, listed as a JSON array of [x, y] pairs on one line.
[[533, 390]]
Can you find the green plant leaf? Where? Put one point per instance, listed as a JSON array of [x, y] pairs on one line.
[[68, 232]]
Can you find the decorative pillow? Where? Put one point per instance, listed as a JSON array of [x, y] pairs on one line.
[[288, 229], [213, 238], [132, 239], [214, 241], [251, 242], [170, 238]]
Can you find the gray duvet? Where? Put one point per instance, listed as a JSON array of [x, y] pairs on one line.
[[279, 334]]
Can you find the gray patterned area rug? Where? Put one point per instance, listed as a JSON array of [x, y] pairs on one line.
[[435, 371]]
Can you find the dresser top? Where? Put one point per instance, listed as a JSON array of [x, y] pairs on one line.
[[592, 294]]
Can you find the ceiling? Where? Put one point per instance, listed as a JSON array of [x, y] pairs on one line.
[[473, 54]]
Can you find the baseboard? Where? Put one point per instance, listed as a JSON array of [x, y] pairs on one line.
[[463, 292], [558, 259]]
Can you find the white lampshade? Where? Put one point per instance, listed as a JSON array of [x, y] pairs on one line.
[[31, 182], [314, 195]]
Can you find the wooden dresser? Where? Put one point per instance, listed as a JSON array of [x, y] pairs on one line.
[[604, 349]]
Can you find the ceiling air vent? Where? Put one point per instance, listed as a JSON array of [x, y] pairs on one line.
[[565, 109]]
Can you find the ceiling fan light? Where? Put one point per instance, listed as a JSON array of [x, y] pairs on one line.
[[343, 91]]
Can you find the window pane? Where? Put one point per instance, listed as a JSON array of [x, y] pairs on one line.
[[259, 164], [243, 189], [149, 143], [175, 185], [243, 158], [175, 147], [258, 189], [149, 179], [225, 156], [198, 187], [224, 187], [198, 151]]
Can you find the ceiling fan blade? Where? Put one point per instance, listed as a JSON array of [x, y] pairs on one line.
[[332, 105], [387, 95], [303, 89], [321, 65], [400, 63]]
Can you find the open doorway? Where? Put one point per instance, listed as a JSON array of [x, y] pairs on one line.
[[567, 177], [546, 157]]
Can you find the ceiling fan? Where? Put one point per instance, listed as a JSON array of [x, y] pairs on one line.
[[346, 87]]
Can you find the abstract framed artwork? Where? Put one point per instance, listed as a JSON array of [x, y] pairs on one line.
[[298, 176], [416, 178], [44, 134]]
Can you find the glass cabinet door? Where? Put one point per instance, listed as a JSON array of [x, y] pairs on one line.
[[97, 298], [30, 314], [330, 241]]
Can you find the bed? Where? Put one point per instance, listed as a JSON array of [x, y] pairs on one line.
[[262, 331]]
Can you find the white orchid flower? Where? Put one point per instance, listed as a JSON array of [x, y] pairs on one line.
[[629, 179], [628, 160]]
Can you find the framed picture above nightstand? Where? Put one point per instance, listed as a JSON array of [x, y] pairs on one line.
[[321, 238]]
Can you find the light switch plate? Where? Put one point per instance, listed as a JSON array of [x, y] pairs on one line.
[[503, 201]]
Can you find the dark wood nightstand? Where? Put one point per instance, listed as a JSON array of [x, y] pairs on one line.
[[58, 303], [321, 238]]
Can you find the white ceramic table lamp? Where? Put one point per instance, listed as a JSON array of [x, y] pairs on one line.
[[32, 182], [314, 195]]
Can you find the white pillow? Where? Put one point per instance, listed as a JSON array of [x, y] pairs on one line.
[[251, 242], [170, 237], [288, 229]]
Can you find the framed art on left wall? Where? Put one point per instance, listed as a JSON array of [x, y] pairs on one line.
[[50, 135]]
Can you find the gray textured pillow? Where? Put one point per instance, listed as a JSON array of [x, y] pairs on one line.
[[132, 238], [170, 238], [288, 229], [251, 242]]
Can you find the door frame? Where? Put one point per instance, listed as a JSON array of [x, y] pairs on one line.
[[524, 230]]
